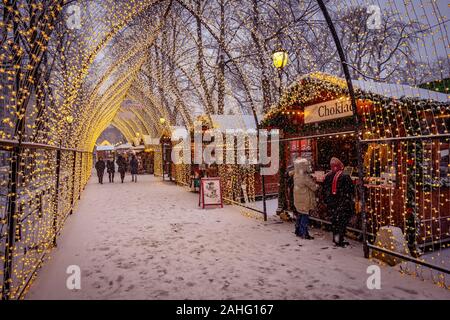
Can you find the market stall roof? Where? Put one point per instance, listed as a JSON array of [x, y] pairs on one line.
[[390, 90], [398, 91], [319, 91], [239, 121], [105, 148], [138, 148], [105, 143], [124, 146], [366, 87]]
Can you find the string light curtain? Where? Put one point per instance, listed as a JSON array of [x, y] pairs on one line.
[[175, 58]]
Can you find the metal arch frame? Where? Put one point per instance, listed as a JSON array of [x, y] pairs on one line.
[[356, 118]]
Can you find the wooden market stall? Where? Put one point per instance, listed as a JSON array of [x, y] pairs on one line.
[[105, 150], [405, 149]]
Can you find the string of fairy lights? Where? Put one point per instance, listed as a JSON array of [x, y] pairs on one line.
[[147, 51]]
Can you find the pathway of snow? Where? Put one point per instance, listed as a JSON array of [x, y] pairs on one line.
[[149, 240]]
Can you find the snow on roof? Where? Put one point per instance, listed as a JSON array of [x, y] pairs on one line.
[[239, 121], [105, 143], [390, 90], [105, 148], [398, 91], [124, 146]]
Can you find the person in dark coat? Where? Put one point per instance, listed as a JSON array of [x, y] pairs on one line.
[[134, 168], [100, 167], [339, 199], [111, 170], [122, 166]]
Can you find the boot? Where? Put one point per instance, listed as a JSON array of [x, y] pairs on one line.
[[335, 238], [342, 243]]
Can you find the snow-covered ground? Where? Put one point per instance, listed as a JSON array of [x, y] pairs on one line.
[[149, 240]]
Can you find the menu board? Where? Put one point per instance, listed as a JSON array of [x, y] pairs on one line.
[[210, 192]]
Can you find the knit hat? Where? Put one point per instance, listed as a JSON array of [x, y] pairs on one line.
[[336, 164]]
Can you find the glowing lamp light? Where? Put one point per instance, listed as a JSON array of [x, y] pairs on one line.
[[162, 120], [280, 59]]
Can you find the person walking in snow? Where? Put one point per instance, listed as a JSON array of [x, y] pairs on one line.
[[100, 167], [122, 166], [111, 169], [134, 168], [339, 193], [304, 196]]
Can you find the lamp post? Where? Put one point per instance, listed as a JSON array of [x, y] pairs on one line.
[[280, 60]]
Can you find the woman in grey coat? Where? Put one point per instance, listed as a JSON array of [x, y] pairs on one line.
[[304, 196]]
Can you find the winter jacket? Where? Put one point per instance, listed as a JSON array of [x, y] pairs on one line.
[[122, 164], [100, 166], [304, 187], [134, 166], [110, 166], [343, 200]]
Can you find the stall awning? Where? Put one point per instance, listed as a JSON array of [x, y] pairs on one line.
[[105, 148], [138, 148], [398, 91], [124, 146]]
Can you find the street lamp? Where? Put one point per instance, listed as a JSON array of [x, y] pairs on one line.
[[280, 60], [162, 121]]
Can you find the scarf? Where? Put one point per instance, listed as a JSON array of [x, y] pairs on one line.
[[335, 182]]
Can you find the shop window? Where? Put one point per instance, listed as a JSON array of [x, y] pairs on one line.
[[342, 148], [300, 149], [380, 164]]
